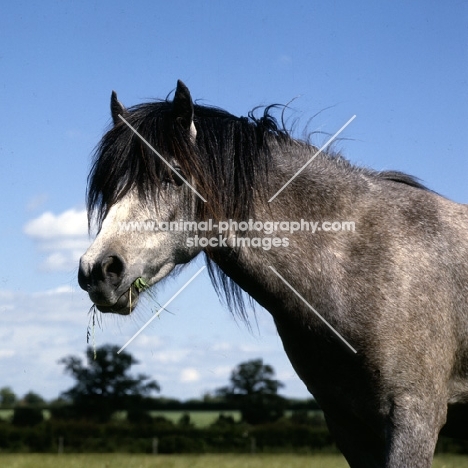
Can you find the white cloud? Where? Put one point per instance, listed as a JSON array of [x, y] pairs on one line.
[[66, 243], [38, 329], [174, 356], [62, 261], [189, 375], [222, 371], [222, 347], [198, 344], [63, 237], [66, 289], [70, 223]]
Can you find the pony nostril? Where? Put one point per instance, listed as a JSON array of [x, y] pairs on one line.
[[83, 277], [112, 268], [109, 270]]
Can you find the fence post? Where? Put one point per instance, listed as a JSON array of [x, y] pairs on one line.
[[155, 445], [60, 445], [253, 445]]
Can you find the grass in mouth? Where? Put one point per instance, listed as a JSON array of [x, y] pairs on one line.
[[140, 285], [90, 330]]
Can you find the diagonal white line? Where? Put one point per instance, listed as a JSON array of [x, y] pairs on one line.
[[312, 158], [160, 157], [312, 309], [161, 309]]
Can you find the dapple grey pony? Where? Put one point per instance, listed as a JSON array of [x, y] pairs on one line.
[[374, 320]]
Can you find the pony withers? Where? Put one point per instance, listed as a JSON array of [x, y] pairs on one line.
[[374, 319]]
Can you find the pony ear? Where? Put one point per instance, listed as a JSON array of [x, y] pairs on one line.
[[116, 108], [183, 108]]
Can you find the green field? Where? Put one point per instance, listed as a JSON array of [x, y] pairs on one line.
[[198, 418], [195, 461]]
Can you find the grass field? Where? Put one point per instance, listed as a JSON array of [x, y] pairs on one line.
[[198, 418], [194, 461]]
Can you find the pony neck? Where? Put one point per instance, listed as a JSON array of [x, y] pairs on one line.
[[294, 221]]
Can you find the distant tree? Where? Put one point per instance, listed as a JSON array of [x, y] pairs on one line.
[[223, 421], [32, 399], [255, 392], [7, 397], [185, 421], [24, 416], [251, 378], [104, 385], [139, 416]]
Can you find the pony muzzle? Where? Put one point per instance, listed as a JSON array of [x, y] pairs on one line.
[[106, 283]]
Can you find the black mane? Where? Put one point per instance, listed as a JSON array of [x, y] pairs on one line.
[[402, 178], [122, 160], [229, 161]]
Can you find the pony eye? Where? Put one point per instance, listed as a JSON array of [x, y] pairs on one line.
[[175, 177]]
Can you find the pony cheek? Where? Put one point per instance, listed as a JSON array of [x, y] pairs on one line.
[[161, 273]]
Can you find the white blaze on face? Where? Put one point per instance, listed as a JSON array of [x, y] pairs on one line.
[[108, 234], [148, 253]]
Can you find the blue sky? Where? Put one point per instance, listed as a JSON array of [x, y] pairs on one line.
[[401, 67]]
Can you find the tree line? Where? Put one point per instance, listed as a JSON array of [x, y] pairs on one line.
[[81, 418], [104, 385]]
